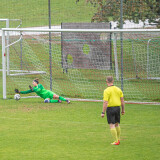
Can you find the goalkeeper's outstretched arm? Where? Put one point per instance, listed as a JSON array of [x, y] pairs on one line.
[[23, 92]]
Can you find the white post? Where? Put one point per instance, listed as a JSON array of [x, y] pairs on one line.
[[115, 55], [4, 64], [7, 41], [148, 67]]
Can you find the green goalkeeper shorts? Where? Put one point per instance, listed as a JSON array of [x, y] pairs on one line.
[[49, 95]]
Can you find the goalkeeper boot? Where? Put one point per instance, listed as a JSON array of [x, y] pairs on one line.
[[68, 101], [47, 100]]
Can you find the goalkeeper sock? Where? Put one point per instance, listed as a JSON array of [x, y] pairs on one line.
[[62, 99], [114, 134], [118, 129], [53, 101]]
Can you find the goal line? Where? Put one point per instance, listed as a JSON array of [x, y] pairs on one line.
[[94, 100]]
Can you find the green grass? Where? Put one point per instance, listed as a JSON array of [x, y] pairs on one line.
[[35, 13], [30, 129]]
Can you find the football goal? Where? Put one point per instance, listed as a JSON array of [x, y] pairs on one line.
[[76, 61]]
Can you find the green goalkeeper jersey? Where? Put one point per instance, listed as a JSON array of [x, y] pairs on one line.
[[40, 91]]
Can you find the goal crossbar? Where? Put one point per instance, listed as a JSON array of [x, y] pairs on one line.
[[81, 30]]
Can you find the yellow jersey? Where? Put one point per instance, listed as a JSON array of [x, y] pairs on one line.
[[112, 95]]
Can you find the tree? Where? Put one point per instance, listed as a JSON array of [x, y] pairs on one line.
[[132, 10]]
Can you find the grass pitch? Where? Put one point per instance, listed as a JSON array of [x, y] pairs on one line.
[[32, 130]]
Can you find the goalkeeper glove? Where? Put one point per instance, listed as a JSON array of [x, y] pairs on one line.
[[31, 87], [16, 91]]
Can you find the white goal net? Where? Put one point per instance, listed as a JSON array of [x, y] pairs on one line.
[[74, 63]]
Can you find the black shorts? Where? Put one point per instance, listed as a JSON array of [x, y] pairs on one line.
[[113, 115]]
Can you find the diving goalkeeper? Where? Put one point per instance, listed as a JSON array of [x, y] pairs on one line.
[[47, 95]]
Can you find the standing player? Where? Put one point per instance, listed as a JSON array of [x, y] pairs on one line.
[[47, 95], [112, 100]]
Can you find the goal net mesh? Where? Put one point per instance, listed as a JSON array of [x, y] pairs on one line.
[[76, 65]]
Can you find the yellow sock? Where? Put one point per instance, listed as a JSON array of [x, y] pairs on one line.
[[114, 134], [118, 129]]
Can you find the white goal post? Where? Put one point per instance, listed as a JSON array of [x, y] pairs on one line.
[[88, 83], [151, 56]]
